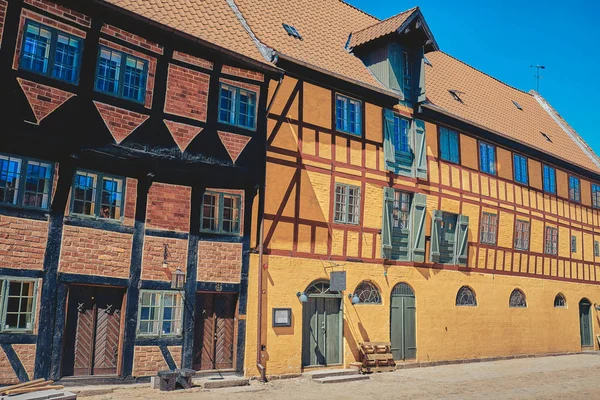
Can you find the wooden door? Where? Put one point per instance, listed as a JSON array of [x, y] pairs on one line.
[[93, 329], [585, 323], [214, 333], [403, 323], [321, 331]]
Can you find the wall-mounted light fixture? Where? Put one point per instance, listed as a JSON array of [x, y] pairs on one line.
[[597, 307], [354, 298], [178, 279], [302, 297]]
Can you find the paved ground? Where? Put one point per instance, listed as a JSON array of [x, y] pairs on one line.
[[565, 377]]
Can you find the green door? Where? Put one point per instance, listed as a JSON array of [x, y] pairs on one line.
[[403, 323], [321, 331], [585, 323]]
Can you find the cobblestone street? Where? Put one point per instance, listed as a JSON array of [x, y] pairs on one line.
[[571, 377]]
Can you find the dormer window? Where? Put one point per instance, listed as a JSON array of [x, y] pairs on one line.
[[292, 31]]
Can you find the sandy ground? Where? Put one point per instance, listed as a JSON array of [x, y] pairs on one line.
[[570, 377]]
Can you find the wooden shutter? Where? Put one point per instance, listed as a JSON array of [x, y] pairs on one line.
[[420, 150], [418, 227], [434, 253], [388, 139], [462, 240], [422, 96], [386, 230]]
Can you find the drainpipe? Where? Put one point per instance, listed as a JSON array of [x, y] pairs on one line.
[[259, 362]]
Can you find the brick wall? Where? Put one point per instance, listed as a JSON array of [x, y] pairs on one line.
[[154, 248], [148, 360], [26, 354], [242, 73], [130, 201], [7, 375], [119, 121], [219, 262], [22, 243], [95, 252], [3, 7], [64, 12], [234, 143], [169, 207], [176, 354], [187, 93], [43, 99], [131, 38], [192, 60]]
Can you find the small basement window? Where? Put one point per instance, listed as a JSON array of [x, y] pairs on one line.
[[456, 94], [292, 31], [517, 105]]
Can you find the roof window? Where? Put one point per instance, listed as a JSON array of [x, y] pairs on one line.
[[546, 136], [517, 105], [427, 61], [456, 94], [292, 31]]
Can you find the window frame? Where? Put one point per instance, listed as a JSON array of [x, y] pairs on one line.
[[23, 181], [236, 104], [160, 320], [489, 146], [510, 305], [524, 239], [573, 244], [358, 123], [595, 195], [574, 192], [4, 283], [346, 213], [549, 168], [459, 296], [449, 130], [399, 153], [54, 32], [121, 84], [596, 248], [220, 230], [98, 196], [374, 287], [564, 300], [526, 161], [489, 232], [553, 245]]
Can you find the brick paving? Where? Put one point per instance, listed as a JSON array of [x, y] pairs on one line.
[[572, 377]]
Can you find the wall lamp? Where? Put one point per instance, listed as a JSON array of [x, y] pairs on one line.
[[354, 298], [597, 307], [302, 297]]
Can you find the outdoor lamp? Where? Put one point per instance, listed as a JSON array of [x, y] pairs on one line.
[[354, 298], [178, 279], [302, 297]]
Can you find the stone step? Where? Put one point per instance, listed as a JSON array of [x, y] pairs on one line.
[[221, 382], [327, 373], [342, 379]]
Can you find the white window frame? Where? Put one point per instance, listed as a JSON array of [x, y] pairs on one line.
[[4, 285], [177, 331], [345, 211]]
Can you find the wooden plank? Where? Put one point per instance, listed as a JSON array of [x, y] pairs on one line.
[[20, 385], [34, 389], [373, 357]]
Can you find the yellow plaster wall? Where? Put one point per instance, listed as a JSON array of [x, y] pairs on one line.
[[374, 122], [468, 152], [317, 105], [504, 161], [535, 174], [562, 184]]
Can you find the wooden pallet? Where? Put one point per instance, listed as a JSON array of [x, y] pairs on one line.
[[377, 357]]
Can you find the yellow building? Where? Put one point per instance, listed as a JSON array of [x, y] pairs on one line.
[[461, 212]]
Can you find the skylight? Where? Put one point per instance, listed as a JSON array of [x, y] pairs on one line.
[[292, 31], [517, 105], [546, 136], [427, 61], [456, 94]]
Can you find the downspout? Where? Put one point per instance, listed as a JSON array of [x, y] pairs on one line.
[[259, 362]]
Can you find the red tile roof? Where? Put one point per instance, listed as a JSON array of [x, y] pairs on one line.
[[381, 28]]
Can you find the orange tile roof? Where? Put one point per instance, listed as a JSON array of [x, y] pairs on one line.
[[381, 28], [488, 102]]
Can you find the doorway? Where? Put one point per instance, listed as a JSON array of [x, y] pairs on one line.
[[93, 331], [322, 328], [403, 316], [585, 323], [215, 331]]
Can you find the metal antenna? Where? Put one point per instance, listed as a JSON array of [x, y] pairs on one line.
[[538, 76]]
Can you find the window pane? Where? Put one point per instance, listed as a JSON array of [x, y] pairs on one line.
[[134, 79], [37, 185], [19, 306], [401, 210], [109, 71], [36, 48], [66, 58], [84, 193], [341, 198], [227, 105], [10, 173], [231, 210], [247, 106], [210, 212], [111, 198]]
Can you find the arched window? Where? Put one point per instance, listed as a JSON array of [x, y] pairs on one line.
[[319, 287], [466, 297], [560, 301], [517, 299], [368, 293]]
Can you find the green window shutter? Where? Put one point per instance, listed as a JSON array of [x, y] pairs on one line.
[[418, 227], [386, 230], [462, 240], [420, 150], [388, 138], [421, 91], [434, 251]]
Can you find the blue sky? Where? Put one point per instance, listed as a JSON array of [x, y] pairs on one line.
[[504, 37]]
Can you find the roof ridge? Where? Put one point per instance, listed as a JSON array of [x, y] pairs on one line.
[[486, 74], [358, 9], [387, 19]]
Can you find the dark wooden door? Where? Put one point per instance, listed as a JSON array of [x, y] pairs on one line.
[[403, 323], [93, 328], [321, 331], [214, 331], [585, 325]]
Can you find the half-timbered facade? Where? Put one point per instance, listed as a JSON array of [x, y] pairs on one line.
[[132, 152]]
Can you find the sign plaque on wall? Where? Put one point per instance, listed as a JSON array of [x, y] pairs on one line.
[[337, 281]]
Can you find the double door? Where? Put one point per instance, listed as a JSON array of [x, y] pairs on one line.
[[585, 323], [214, 341], [322, 331], [403, 323], [93, 331]]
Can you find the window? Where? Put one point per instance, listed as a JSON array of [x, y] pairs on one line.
[[489, 228], [292, 31], [221, 213], [520, 166], [347, 204], [551, 241], [487, 158], [18, 304], [367, 293], [560, 301], [401, 135], [159, 314], [517, 299], [596, 195], [97, 195], [522, 235], [517, 105], [596, 248], [447, 238], [549, 179], [47, 51], [456, 95], [573, 244], [574, 189], [122, 75], [466, 297], [449, 145], [237, 106], [25, 182], [401, 210], [348, 115]]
